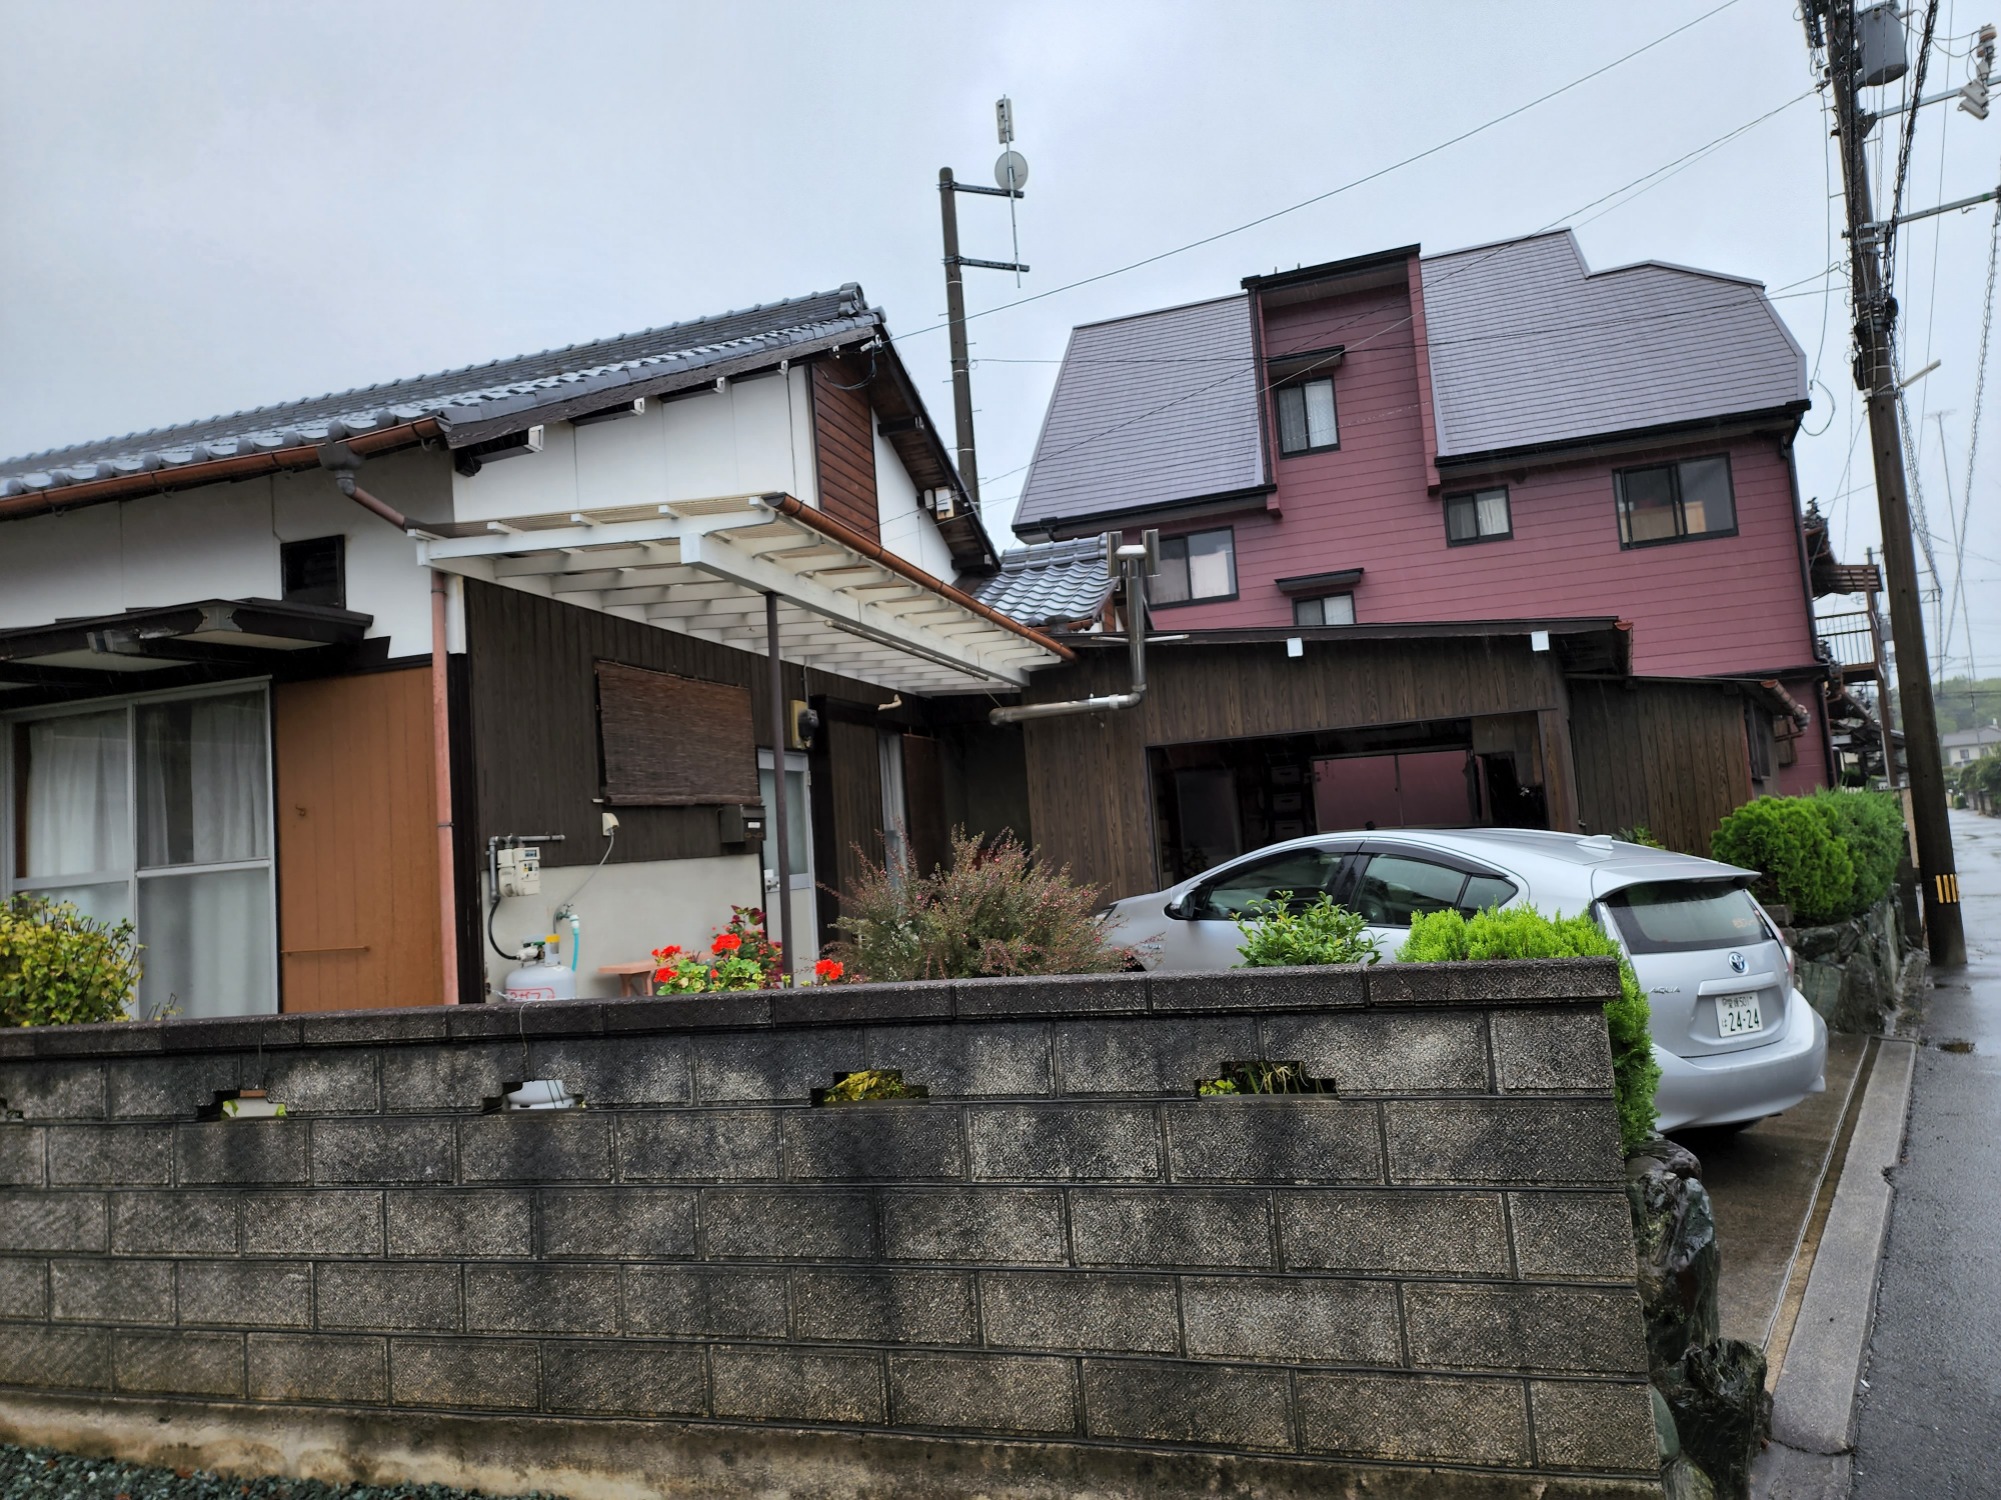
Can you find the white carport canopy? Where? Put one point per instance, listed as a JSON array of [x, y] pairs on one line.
[[704, 568]]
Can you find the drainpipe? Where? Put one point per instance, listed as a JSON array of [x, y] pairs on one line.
[[441, 776], [1132, 561]]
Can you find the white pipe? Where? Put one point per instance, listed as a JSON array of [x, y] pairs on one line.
[[1133, 569]]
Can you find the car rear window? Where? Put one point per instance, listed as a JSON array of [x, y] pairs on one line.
[[1681, 916]]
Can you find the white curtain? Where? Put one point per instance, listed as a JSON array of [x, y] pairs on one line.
[[208, 943], [78, 816], [202, 781]]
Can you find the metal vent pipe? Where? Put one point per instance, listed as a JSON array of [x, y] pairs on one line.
[[1132, 563]]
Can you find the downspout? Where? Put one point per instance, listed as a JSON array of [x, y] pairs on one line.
[[1132, 561]]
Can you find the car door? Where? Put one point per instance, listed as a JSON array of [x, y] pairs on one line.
[[1203, 931], [1393, 883]]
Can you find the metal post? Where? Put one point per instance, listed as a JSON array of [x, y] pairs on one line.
[[781, 847], [955, 312], [1939, 880]]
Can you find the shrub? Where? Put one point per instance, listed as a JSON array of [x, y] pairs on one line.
[[1790, 842], [1639, 833], [58, 966], [1277, 933], [1523, 932], [1870, 826], [995, 909], [741, 956]]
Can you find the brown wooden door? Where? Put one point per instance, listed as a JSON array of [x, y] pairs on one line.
[[357, 843]]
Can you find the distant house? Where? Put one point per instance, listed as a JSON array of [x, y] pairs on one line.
[[1965, 745]]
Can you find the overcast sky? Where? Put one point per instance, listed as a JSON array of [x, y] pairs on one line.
[[210, 206]]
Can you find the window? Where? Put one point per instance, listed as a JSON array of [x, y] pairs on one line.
[[315, 572], [1673, 502], [1306, 873], [1333, 609], [1481, 516], [672, 741], [1306, 417], [1201, 565], [1685, 916], [1396, 887]]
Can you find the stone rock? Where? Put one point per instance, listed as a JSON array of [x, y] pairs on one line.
[[1664, 1431], [1660, 1153], [1675, 1235], [1851, 971], [1682, 1480], [1722, 1411]]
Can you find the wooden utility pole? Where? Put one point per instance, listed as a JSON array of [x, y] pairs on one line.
[[1875, 319], [955, 311]]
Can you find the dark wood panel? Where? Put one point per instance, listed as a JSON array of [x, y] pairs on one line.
[[854, 771], [673, 741], [844, 444], [924, 802], [1666, 756]]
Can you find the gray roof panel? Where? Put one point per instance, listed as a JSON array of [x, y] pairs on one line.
[[1052, 583]]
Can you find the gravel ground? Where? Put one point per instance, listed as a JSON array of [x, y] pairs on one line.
[[44, 1474]]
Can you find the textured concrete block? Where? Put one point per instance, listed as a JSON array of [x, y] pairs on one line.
[[1413, 1420], [111, 1291], [55, 1090], [1503, 1141], [464, 1223], [983, 1393], [1191, 1227], [1065, 1142], [1278, 1139], [490, 1375], [23, 1150], [399, 1297], [322, 1222], [1314, 1320], [459, 1079], [1148, 1057], [359, 1028], [1071, 994], [969, 1060], [729, 1069], [642, 1223], [178, 1364], [684, 1013], [1551, 1049], [1000, 1226], [382, 1150], [111, 1155], [836, 1004], [170, 1088], [787, 1225], [542, 1299], [1328, 987], [330, 1082], [212, 1034], [1599, 1425], [1217, 1405], [169, 1224], [536, 1146], [612, 1070], [1376, 1052], [505, 1019], [1485, 983], [1528, 1329], [873, 1142], [1072, 1310], [56, 1358], [1439, 1234], [884, 1307], [241, 1152], [705, 1302], [247, 1293], [797, 1385], [51, 1221], [24, 1289], [287, 1368], [625, 1379], [1563, 1235], [697, 1145]]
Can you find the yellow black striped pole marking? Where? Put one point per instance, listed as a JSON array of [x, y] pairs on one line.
[[1948, 889]]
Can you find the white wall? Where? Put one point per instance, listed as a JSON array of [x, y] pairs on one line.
[[908, 530]]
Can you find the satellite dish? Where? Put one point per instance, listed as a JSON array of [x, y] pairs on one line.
[[1011, 170]]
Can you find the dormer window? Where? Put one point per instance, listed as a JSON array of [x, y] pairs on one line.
[[1306, 417]]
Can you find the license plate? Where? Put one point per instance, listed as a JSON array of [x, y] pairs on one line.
[[1738, 1015]]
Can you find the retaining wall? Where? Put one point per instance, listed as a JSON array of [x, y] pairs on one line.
[[1061, 1274]]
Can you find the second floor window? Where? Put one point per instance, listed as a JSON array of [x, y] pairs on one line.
[[1332, 609], [314, 572], [1675, 502], [1479, 517], [1201, 565], [1306, 417]]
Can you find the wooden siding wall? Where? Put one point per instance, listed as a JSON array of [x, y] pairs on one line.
[[1089, 801], [844, 444], [357, 848], [847, 802], [534, 722], [1669, 756]]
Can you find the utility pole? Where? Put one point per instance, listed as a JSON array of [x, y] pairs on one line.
[[1875, 319]]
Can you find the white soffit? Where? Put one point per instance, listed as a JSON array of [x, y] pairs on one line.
[[703, 568]]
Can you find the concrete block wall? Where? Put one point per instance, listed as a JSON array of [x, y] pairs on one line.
[[1064, 1252]]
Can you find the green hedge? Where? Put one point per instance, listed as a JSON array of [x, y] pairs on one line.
[[1524, 932], [58, 966], [1870, 826], [1827, 857]]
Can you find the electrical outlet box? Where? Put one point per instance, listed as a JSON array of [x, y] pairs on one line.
[[519, 871]]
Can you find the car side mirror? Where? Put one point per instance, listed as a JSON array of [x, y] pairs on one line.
[[1178, 908]]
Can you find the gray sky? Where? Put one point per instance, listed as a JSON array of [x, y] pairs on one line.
[[218, 205]]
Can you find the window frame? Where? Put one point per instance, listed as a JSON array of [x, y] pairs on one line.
[[1673, 466], [297, 547], [1185, 537], [1472, 497], [1321, 599], [1300, 382]]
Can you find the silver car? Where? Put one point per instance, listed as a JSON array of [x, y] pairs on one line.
[[1736, 1041]]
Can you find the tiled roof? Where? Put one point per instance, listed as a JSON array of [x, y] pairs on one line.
[[617, 367], [1149, 410], [1047, 584]]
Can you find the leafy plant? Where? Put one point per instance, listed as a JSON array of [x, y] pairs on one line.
[[1524, 932], [1870, 826], [58, 966], [1639, 833], [994, 910], [1259, 1077], [1279, 932], [869, 1085], [1793, 846], [741, 956]]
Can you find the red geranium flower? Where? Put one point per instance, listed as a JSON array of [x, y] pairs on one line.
[[828, 969], [728, 942], [670, 951]]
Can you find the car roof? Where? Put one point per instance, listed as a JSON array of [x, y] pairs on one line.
[[1605, 864]]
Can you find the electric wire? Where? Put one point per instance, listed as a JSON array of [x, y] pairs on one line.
[[1965, 518]]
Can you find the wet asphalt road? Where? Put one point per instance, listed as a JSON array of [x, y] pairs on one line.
[[1929, 1415]]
